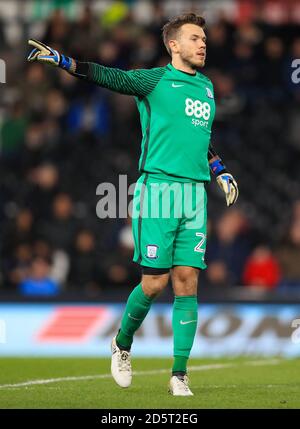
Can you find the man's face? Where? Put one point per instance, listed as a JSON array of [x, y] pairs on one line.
[[190, 43]]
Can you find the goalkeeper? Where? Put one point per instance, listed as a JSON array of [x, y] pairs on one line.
[[177, 108]]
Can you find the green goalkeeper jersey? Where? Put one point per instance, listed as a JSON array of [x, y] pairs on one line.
[[176, 110]]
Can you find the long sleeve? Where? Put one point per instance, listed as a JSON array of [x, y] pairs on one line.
[[212, 154], [138, 82], [216, 164]]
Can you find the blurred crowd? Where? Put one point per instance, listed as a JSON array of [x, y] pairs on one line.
[[60, 137]]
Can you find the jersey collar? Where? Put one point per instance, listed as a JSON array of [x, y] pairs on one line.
[[171, 67]]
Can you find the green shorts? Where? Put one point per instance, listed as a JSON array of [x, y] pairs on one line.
[[169, 222]]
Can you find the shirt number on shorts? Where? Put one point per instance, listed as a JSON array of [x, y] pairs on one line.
[[199, 248]]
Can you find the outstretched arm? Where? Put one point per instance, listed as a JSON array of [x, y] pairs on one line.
[[133, 82], [225, 180]]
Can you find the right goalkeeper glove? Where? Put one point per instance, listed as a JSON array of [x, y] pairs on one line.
[[44, 54]]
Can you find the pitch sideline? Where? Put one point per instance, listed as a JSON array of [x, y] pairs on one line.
[[138, 373]]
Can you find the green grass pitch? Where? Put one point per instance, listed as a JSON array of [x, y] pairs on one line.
[[86, 383]]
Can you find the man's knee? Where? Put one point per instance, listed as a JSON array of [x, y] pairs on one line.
[[153, 284], [185, 280]]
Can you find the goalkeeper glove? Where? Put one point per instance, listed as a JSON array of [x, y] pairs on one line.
[[44, 54], [225, 181]]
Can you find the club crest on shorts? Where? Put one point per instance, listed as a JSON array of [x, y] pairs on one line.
[[152, 251], [209, 93]]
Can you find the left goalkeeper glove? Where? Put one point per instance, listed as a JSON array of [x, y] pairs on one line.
[[225, 181], [44, 54]]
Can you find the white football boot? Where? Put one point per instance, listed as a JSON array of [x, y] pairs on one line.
[[179, 386], [120, 365]]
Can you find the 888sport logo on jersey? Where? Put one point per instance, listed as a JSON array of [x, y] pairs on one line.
[[199, 110]]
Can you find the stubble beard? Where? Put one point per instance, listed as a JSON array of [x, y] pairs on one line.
[[187, 60]]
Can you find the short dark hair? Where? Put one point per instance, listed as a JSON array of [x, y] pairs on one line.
[[170, 29]]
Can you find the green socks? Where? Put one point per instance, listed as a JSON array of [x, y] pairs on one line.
[[137, 307], [184, 323]]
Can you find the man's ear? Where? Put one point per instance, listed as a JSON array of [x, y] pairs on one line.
[[174, 46]]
